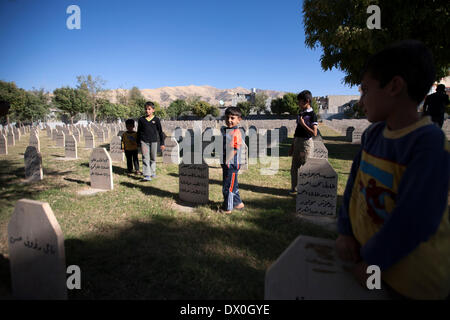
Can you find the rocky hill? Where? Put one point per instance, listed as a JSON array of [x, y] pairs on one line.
[[165, 95]]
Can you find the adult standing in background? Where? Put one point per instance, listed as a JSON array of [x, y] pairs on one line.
[[435, 104]]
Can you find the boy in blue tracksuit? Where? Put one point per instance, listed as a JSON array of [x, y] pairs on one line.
[[232, 142]]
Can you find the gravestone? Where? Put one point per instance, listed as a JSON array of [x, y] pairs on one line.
[[60, 139], [252, 142], [36, 252], [319, 150], [70, 147], [11, 139], [33, 165], [100, 168], [115, 149], [244, 157], [356, 135], [3, 144], [100, 136], [172, 152], [77, 134], [49, 132], [194, 183], [262, 143], [310, 269], [17, 134], [89, 139], [34, 141], [283, 133], [212, 146], [317, 188]]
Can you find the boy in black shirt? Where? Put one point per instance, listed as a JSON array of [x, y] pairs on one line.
[[149, 131], [306, 129]]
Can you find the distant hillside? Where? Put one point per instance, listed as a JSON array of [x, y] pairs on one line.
[[165, 95]]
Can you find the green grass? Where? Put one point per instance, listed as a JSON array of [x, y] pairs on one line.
[[133, 242]]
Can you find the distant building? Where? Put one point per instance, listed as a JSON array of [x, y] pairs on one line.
[[335, 104], [242, 97]]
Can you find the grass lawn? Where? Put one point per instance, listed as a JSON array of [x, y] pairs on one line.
[[135, 243]]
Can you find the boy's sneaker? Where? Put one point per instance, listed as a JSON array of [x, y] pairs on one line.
[[153, 175], [138, 172], [147, 178]]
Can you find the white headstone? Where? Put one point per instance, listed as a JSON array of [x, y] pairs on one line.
[[89, 139], [115, 149], [317, 188], [60, 139], [11, 139], [319, 150], [36, 252], [194, 183], [310, 269], [3, 144], [33, 165], [171, 153], [100, 165], [70, 147], [34, 141]]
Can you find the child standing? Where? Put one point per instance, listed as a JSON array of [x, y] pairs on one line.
[[130, 146], [395, 209], [232, 142], [149, 132], [306, 129]]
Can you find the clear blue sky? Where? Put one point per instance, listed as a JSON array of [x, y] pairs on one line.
[[156, 43]]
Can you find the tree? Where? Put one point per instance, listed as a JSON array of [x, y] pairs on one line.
[[135, 96], [277, 106], [71, 101], [109, 111], [290, 103], [13, 95], [340, 28], [203, 108], [178, 108], [315, 106], [260, 102], [93, 87], [245, 107]]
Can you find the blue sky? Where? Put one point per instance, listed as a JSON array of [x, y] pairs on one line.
[[152, 44]]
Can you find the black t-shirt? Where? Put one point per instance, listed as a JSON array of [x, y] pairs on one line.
[[310, 119], [435, 104]]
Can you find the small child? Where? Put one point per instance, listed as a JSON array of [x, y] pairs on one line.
[[395, 209], [130, 146], [149, 133], [232, 141]]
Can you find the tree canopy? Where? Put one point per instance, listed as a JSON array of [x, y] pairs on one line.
[[71, 101], [340, 28]]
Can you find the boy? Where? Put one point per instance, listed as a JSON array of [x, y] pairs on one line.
[[149, 131], [129, 144], [394, 213], [306, 129], [232, 141]]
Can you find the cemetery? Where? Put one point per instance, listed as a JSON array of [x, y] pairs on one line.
[[166, 239]]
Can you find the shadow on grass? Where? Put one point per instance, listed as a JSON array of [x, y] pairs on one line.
[[342, 151], [150, 190], [170, 258], [245, 186], [78, 181]]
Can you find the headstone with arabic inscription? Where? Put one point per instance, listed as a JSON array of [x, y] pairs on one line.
[[317, 188], [33, 165], [115, 149], [100, 165], [36, 252], [70, 147], [194, 183], [171, 153], [89, 139]]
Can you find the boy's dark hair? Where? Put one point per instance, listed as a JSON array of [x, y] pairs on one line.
[[149, 103], [235, 111], [440, 88], [409, 59], [129, 122], [305, 95]]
